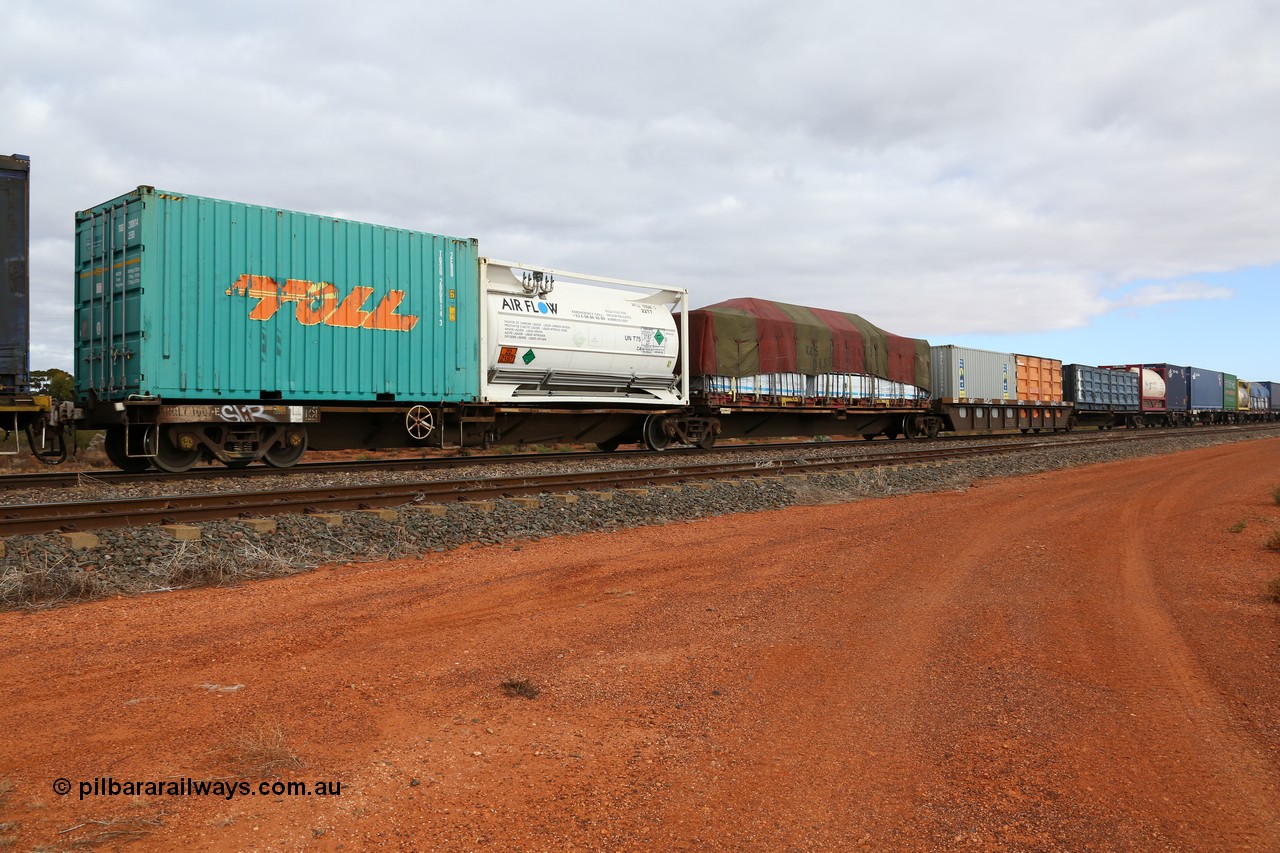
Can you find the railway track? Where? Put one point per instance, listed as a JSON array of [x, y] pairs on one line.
[[70, 479], [19, 519]]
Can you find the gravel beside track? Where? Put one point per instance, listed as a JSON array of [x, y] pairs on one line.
[[44, 569]]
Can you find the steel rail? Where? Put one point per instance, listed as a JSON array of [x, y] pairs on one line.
[[19, 519], [71, 479], [67, 479]]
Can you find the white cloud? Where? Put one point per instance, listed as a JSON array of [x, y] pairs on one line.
[[940, 168], [1160, 294]]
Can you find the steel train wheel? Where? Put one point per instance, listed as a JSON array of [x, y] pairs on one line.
[[113, 443], [173, 452], [655, 435], [610, 445], [288, 455], [916, 427], [284, 457]]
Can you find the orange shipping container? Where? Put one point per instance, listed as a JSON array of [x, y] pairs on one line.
[[1039, 379]]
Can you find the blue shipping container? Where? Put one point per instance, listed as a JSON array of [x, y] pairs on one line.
[[1259, 396], [1176, 396], [1177, 392], [1205, 389], [190, 298], [1270, 392], [1097, 389]]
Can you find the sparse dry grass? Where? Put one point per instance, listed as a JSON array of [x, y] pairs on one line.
[[1273, 541], [1273, 590], [1275, 495], [263, 750], [43, 582], [522, 687], [7, 840], [202, 568], [117, 830]]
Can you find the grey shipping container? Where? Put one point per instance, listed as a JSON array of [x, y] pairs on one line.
[[1098, 389], [1205, 389], [15, 231], [960, 373]]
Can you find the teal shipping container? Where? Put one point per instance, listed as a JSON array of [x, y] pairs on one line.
[[187, 298]]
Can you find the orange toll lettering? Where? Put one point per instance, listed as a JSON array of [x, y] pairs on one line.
[[385, 316], [317, 302], [349, 315], [262, 287]]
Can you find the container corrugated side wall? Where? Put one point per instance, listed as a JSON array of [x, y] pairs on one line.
[[15, 298], [973, 374], [1101, 389], [1039, 379], [1205, 389], [238, 301], [1230, 392], [1270, 395], [1177, 387]]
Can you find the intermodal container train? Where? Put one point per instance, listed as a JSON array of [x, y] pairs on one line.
[[214, 330]]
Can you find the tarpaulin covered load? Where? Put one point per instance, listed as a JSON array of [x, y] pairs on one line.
[[751, 337]]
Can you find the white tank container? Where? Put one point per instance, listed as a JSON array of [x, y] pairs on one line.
[[1152, 383], [573, 338]]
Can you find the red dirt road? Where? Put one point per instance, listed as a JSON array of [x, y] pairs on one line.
[[1076, 660]]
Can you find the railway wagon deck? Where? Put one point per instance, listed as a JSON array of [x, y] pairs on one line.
[[769, 369]]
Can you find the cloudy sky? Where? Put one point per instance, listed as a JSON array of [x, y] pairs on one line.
[[1096, 181]]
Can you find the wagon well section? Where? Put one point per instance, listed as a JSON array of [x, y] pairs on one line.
[[771, 369]]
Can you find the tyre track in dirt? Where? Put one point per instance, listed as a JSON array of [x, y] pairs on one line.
[[1225, 770]]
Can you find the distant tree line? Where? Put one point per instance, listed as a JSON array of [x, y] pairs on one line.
[[58, 384]]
